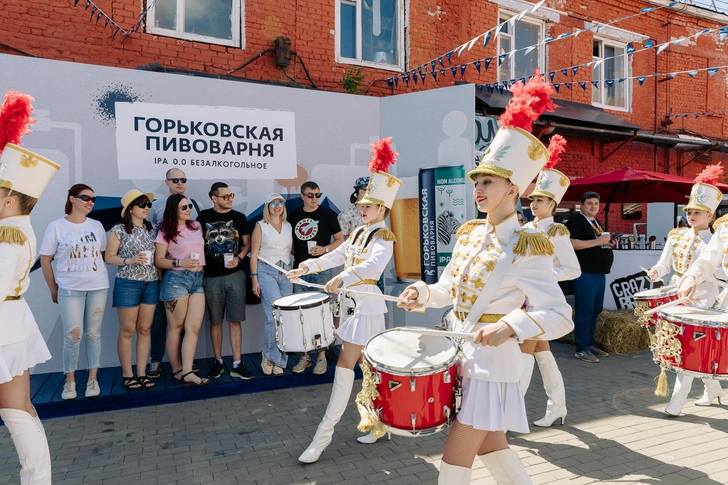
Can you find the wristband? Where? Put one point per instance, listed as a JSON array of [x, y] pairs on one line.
[[254, 274], [124, 261]]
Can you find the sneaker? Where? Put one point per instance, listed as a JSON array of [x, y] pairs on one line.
[[241, 372], [587, 356], [320, 366], [92, 388], [216, 370], [331, 355], [155, 369], [69, 390], [277, 371], [302, 365], [598, 352], [266, 365]]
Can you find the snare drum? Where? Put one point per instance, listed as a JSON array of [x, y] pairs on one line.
[[649, 299], [304, 323], [693, 341], [415, 376]]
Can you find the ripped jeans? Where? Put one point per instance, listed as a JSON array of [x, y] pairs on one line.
[[82, 313]]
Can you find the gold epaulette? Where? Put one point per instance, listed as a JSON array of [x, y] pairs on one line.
[[533, 244], [384, 233], [12, 235], [675, 231], [720, 220], [557, 230], [468, 227]]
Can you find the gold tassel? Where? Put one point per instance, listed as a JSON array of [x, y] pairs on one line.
[[468, 227], [12, 235], [384, 233], [364, 403], [557, 230], [662, 388], [533, 244]]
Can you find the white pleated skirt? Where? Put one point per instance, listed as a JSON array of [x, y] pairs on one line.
[[493, 406], [358, 329], [18, 357]]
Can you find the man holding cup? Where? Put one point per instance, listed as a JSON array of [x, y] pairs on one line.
[[594, 252], [226, 244]]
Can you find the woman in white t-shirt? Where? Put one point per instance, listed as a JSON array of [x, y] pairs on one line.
[[80, 283], [272, 239]]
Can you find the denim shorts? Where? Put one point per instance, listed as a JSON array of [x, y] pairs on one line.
[[179, 283], [131, 293]]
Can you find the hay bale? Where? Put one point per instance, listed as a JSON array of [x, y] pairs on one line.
[[618, 332]]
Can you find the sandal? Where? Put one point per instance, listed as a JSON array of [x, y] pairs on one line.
[[146, 382], [174, 374], [203, 382], [131, 383]]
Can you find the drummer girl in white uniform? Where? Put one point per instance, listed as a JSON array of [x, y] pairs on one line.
[[682, 249], [23, 177], [365, 256], [495, 266], [550, 187]]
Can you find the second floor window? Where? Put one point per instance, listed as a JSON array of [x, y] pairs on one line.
[[520, 36], [609, 92], [211, 21], [371, 32]]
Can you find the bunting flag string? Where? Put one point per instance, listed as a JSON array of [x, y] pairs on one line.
[[698, 114], [97, 14]]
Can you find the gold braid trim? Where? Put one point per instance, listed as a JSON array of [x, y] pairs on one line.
[[364, 403], [533, 244], [665, 345], [721, 220], [12, 235], [384, 233], [557, 230], [674, 232], [468, 227]]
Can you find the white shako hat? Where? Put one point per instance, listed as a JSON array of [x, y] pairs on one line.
[[704, 195], [382, 187], [551, 183]]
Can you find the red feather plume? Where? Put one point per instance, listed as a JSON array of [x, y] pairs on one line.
[[710, 175], [557, 146], [382, 155], [15, 117], [529, 101]]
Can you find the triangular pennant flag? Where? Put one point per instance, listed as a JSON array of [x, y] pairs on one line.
[[693, 73], [701, 33], [596, 84], [678, 41], [568, 85], [489, 88], [390, 83], [510, 54], [477, 66], [500, 88], [106, 24], [630, 49], [439, 59], [563, 36], [551, 75], [512, 22], [449, 57], [454, 70], [662, 47], [672, 75], [423, 75], [505, 84], [712, 71], [537, 6], [530, 49], [597, 63], [486, 39], [649, 44], [599, 27], [672, 4], [414, 76], [648, 9], [523, 80], [75, 2], [461, 49], [487, 62], [565, 72], [502, 58], [93, 11], [115, 32], [641, 79], [587, 64], [472, 42], [609, 83], [442, 72], [548, 39], [396, 82], [622, 79], [88, 3], [406, 78], [419, 69], [501, 26], [583, 85], [723, 33], [575, 69], [434, 75], [98, 17], [462, 69], [697, 115], [433, 65], [556, 87], [576, 34]]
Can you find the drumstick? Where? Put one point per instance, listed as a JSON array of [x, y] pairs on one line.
[[672, 303], [437, 333]]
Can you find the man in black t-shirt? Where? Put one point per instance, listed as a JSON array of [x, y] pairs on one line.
[[594, 252], [226, 244], [316, 231]]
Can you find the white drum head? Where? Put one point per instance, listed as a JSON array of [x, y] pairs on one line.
[[657, 292], [301, 300], [695, 316], [408, 352]]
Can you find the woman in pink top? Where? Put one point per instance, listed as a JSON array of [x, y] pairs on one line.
[[180, 248]]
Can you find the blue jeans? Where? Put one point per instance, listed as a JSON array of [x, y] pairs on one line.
[[82, 311], [318, 278], [589, 299], [273, 285]]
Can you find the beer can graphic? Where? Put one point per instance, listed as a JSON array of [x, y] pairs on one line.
[[404, 219], [442, 212]]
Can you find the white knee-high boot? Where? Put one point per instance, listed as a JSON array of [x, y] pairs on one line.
[[340, 393], [505, 467], [453, 475], [679, 394], [553, 384], [31, 444], [711, 390], [528, 362]]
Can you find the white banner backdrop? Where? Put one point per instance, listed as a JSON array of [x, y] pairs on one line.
[[206, 142]]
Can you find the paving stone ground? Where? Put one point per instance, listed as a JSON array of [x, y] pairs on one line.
[[615, 433]]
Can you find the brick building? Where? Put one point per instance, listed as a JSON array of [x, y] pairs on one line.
[[331, 39]]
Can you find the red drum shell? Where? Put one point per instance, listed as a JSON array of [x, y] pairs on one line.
[[651, 299]]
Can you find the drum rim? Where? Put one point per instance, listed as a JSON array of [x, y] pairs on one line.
[[319, 303], [692, 373], [398, 371], [663, 292], [685, 319]]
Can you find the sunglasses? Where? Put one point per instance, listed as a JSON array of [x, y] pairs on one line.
[[86, 198], [185, 207], [226, 197], [182, 180], [280, 203], [311, 195], [144, 205]]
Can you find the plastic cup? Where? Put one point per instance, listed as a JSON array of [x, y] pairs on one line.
[[195, 256], [148, 255], [311, 245], [227, 257]]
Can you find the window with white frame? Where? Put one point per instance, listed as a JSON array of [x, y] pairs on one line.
[[609, 92], [211, 21], [371, 33], [519, 36]]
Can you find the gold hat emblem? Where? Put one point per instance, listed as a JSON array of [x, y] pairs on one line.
[[536, 150], [27, 160]]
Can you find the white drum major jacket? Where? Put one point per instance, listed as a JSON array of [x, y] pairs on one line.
[[713, 257], [17, 255], [566, 264], [530, 275], [365, 255]]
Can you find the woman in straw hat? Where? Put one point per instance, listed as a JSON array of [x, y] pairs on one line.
[[683, 254], [365, 255], [23, 178], [550, 187], [136, 288], [495, 265]]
